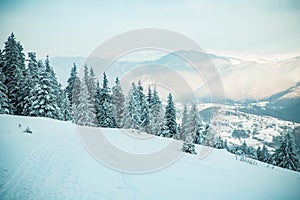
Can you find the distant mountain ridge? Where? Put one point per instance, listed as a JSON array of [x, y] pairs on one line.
[[244, 82]]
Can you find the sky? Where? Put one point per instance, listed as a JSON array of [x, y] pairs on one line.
[[266, 28]]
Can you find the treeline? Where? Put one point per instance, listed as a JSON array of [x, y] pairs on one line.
[[33, 90]]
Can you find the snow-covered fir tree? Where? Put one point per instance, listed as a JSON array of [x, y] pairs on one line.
[[44, 102], [86, 77], [286, 155], [149, 96], [219, 143], [33, 67], [103, 105], [66, 109], [118, 102], [188, 145], [55, 85], [130, 119], [92, 84], [84, 111], [13, 64], [4, 107], [244, 147], [136, 109], [263, 154], [71, 82], [143, 110], [194, 124], [31, 78], [156, 112], [170, 119], [184, 127]]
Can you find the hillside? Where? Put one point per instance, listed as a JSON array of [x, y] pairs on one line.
[[52, 163]]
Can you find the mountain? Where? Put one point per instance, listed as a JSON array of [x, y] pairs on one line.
[[283, 105], [242, 80], [53, 163], [250, 84]]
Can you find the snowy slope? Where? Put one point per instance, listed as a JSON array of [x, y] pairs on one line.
[[52, 163]]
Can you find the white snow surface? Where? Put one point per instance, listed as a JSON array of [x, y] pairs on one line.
[[51, 163]]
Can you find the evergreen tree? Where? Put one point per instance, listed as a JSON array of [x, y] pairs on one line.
[[156, 113], [244, 147], [263, 154], [71, 83], [26, 85], [1, 62], [149, 97], [35, 70], [131, 113], [259, 154], [103, 105], [136, 109], [56, 86], [143, 110], [170, 118], [86, 77], [286, 155], [92, 84], [184, 128], [84, 112], [4, 107], [188, 145], [219, 143], [194, 124], [66, 110], [13, 65], [44, 102], [226, 145], [31, 78], [118, 102]]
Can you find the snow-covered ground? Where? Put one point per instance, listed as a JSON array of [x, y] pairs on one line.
[[52, 163]]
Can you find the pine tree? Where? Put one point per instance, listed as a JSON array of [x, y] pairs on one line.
[[219, 143], [86, 77], [130, 119], [184, 128], [84, 112], [103, 105], [33, 67], [92, 85], [118, 102], [13, 65], [194, 124], [188, 145], [142, 108], [66, 109], [44, 102], [259, 154], [55, 85], [26, 85], [170, 118], [149, 97], [1, 61], [263, 154], [286, 155], [4, 107], [244, 147], [156, 113], [71, 83], [226, 145]]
